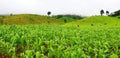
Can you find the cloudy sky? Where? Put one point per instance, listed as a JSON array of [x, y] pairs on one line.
[[80, 7]]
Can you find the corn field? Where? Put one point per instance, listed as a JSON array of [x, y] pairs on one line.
[[44, 41]]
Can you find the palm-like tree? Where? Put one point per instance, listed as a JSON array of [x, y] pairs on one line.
[[49, 13], [107, 12], [102, 12]]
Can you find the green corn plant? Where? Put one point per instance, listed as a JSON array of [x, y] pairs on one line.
[[38, 54], [101, 54], [29, 54], [60, 42], [22, 55], [42, 49], [14, 52], [52, 52], [114, 56]]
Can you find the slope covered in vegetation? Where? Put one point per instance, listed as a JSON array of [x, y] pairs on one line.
[[28, 19], [96, 21]]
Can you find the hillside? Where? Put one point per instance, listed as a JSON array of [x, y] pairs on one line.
[[96, 21], [28, 19]]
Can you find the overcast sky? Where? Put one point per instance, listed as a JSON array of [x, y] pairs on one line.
[[80, 7]]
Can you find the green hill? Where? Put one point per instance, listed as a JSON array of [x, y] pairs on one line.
[[28, 19], [96, 21]]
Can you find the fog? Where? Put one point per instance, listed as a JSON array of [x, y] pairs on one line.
[[79, 7]]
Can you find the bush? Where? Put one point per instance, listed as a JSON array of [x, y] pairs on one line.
[[68, 17]]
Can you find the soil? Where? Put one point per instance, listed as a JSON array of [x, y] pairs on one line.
[[4, 56]]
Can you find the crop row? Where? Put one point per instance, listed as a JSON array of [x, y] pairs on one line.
[[43, 41]]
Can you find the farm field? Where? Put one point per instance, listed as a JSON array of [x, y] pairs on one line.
[[59, 29], [47, 41]]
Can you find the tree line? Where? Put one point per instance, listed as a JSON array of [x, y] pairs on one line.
[[116, 13], [102, 12]]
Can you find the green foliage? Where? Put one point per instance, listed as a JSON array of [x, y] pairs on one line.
[[49, 13], [102, 12], [68, 17], [114, 56], [37, 54], [116, 13], [46, 41], [96, 21], [29, 54], [118, 17]]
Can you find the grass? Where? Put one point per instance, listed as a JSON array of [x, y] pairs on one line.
[[29, 19], [96, 21]]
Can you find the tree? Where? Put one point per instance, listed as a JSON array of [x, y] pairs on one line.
[[65, 20], [116, 13], [75, 17], [102, 12], [11, 14], [107, 12], [49, 13]]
